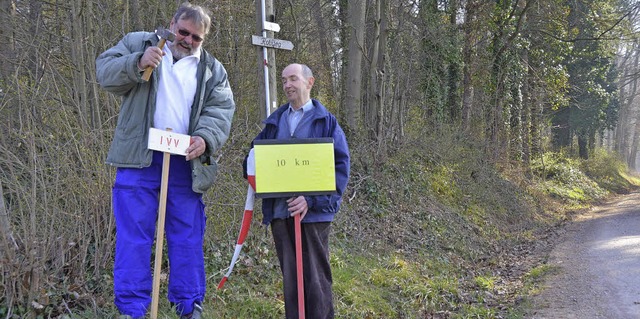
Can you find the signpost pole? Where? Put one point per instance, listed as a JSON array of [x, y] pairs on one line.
[[279, 44], [267, 64], [160, 234], [265, 59]]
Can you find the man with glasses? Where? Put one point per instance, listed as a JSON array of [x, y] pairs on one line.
[[188, 92]]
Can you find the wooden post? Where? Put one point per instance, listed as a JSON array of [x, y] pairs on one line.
[[160, 234]]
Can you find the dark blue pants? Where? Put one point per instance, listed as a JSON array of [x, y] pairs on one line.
[[136, 195]]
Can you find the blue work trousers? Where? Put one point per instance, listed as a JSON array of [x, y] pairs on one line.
[[136, 194]]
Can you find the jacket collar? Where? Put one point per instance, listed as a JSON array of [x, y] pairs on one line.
[[320, 112]]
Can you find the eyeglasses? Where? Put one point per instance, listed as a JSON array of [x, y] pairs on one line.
[[185, 33]]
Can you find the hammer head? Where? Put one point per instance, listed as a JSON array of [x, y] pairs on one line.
[[165, 34]]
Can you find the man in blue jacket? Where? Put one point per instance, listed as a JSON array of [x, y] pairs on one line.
[[304, 117], [190, 93]]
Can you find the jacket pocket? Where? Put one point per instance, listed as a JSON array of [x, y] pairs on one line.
[[203, 175]]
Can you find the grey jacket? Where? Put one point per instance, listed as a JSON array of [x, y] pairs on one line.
[[211, 112]]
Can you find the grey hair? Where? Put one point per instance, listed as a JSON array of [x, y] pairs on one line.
[[306, 71], [197, 14]]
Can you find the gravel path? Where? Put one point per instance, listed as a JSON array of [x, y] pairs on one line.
[[596, 266]]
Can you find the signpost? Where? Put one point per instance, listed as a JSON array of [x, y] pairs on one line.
[[270, 26], [280, 163], [265, 43], [168, 143], [271, 43]]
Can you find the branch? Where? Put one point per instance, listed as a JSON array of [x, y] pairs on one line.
[[516, 31], [601, 36]]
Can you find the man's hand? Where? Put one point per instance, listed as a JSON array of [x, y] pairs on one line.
[[298, 205], [196, 148], [151, 58]]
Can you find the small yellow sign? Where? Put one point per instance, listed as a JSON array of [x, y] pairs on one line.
[[294, 167]]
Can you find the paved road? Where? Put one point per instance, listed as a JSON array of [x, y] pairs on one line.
[[596, 266]]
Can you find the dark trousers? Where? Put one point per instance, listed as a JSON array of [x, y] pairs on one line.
[[318, 296]]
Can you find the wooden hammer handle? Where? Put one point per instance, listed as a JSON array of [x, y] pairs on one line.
[[147, 72]]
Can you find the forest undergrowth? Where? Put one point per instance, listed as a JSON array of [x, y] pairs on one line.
[[428, 229]]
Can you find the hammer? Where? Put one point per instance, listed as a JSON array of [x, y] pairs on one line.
[[164, 35]]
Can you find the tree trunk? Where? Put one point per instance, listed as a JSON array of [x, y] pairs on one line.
[[134, 15], [467, 58], [90, 53], [354, 64], [525, 132], [516, 129], [624, 107], [494, 115], [9, 245], [453, 97], [7, 47], [583, 146], [381, 73], [631, 149], [77, 27], [628, 91], [323, 70], [375, 109]]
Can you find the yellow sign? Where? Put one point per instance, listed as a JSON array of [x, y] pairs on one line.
[[294, 167]]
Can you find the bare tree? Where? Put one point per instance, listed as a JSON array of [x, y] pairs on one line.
[[626, 129], [7, 47], [9, 245], [353, 74], [323, 31], [375, 110], [453, 72], [467, 57]]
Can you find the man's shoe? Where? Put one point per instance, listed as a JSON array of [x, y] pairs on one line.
[[196, 314]]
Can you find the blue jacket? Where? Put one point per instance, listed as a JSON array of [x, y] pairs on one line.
[[322, 208]]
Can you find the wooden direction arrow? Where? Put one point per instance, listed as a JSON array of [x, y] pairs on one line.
[[271, 43]]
